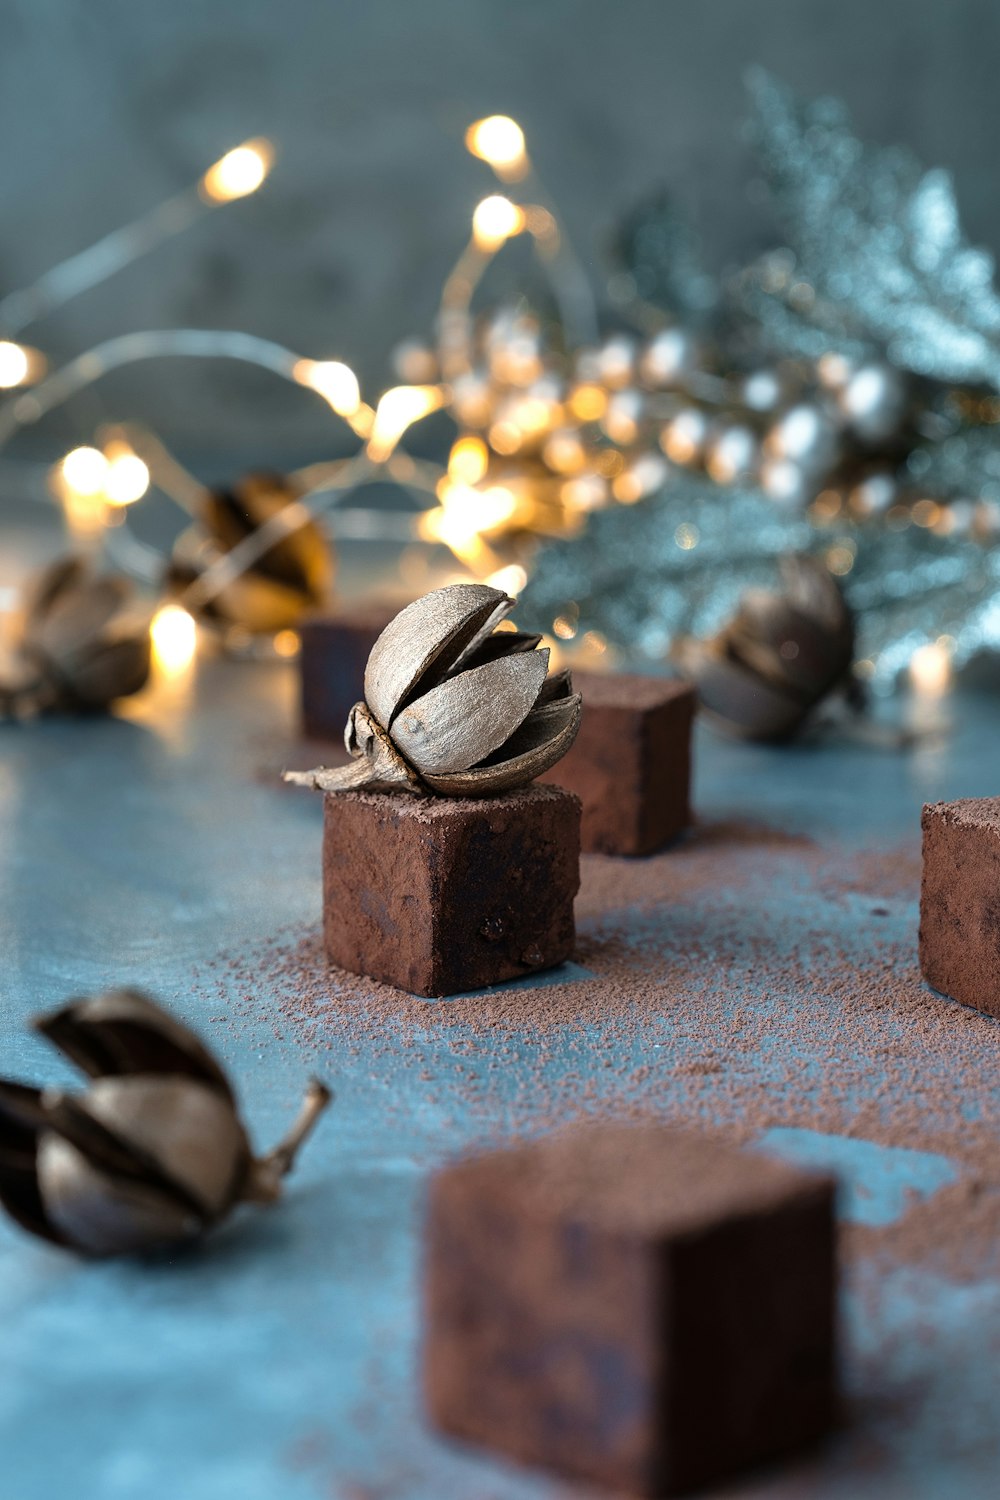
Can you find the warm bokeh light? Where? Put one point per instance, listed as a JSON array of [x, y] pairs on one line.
[[464, 515], [84, 470], [511, 579], [18, 365], [238, 173], [499, 141], [588, 403], [495, 220], [398, 408], [126, 478], [468, 460], [333, 380], [286, 643], [930, 667], [173, 636]]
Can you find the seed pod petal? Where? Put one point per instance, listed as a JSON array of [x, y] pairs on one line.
[[21, 1119], [110, 671], [189, 1130], [50, 583], [76, 617], [739, 700], [105, 1215], [466, 718], [123, 1032], [543, 739], [425, 641]]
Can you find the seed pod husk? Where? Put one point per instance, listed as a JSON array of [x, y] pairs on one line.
[[453, 705], [83, 643], [780, 655], [293, 576], [152, 1154]]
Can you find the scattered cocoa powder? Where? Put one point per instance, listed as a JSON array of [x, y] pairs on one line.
[[746, 978]]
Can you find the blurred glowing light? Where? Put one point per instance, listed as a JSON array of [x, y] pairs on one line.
[[286, 643], [499, 141], [84, 471], [126, 479], [930, 667], [18, 365], [398, 408], [588, 403], [495, 220], [174, 638], [238, 173], [334, 381], [511, 579], [468, 460]]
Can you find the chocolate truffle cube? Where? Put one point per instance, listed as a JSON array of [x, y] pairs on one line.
[[632, 1306], [443, 894], [631, 762], [960, 901], [332, 661]]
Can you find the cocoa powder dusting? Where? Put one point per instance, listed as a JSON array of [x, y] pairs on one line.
[[745, 979]]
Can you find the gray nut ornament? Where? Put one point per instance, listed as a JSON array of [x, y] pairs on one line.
[[454, 706], [152, 1154]]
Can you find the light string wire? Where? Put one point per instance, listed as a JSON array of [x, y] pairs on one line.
[[111, 254]]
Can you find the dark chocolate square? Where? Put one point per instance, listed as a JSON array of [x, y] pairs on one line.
[[633, 1306], [443, 894]]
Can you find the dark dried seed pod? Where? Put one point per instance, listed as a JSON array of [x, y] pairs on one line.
[[152, 1154], [293, 576], [83, 643], [779, 656]]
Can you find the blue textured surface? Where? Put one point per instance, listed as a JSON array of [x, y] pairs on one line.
[[278, 1361]]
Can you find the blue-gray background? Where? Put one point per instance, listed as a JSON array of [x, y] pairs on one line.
[[108, 107]]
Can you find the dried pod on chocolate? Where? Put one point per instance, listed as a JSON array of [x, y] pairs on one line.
[[274, 589], [453, 705], [152, 1154], [83, 643], [780, 655]]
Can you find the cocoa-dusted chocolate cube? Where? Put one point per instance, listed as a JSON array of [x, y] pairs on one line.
[[960, 901], [632, 1306], [443, 894], [631, 762], [332, 658]]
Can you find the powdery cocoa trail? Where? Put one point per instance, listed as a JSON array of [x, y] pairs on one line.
[[745, 979]]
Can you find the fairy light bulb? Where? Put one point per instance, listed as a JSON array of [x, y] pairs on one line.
[[126, 477], [499, 141], [173, 637], [84, 471], [468, 460], [398, 408], [495, 220], [333, 380], [19, 365], [930, 667], [239, 173]]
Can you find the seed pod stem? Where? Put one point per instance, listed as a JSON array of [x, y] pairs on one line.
[[267, 1172], [376, 764]]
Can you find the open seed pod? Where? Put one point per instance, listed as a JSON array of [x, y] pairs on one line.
[[453, 705], [83, 643], [778, 657], [292, 577], [153, 1153]]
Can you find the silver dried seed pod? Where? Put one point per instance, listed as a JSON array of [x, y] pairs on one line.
[[153, 1154], [453, 705]]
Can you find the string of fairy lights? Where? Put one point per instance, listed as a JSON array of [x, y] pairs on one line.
[[552, 423]]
